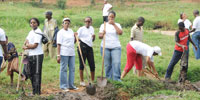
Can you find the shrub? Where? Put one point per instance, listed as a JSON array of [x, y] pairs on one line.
[[61, 4]]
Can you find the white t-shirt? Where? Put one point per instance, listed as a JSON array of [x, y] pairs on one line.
[[196, 24], [142, 48], [111, 36], [106, 8], [35, 38], [66, 39], [85, 35], [2, 38], [187, 23]]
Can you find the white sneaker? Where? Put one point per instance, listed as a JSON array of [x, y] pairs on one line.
[[66, 90], [82, 83]]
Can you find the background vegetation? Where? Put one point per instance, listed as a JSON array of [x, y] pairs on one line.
[[14, 20]]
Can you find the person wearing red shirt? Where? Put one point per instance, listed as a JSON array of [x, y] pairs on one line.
[[181, 38]]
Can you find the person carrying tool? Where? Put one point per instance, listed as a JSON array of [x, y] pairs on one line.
[[33, 44], [13, 60], [137, 34], [86, 37], [180, 52], [112, 56], [50, 26], [66, 56], [135, 51]]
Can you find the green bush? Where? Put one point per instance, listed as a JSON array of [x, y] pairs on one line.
[[61, 4]]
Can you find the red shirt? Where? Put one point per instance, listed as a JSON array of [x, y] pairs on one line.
[[181, 38]]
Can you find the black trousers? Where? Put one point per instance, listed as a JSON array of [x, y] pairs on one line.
[[88, 54], [35, 63]]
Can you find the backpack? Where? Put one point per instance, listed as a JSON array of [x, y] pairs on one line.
[[44, 38]]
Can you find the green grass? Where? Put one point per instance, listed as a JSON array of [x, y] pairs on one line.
[[14, 20]]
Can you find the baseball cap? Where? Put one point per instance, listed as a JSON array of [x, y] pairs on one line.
[[66, 19], [157, 50]]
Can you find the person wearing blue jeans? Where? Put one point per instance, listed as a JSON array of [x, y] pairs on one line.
[[196, 40], [67, 61], [66, 56], [112, 58], [196, 35], [112, 62], [181, 52]]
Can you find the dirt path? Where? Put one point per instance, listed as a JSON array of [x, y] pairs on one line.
[[170, 33]]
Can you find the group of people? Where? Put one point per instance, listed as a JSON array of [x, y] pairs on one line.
[[139, 54]]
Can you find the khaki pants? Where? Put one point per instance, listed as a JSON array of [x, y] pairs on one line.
[[49, 50]]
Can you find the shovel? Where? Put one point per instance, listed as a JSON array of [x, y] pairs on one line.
[[102, 81], [90, 89], [19, 76]]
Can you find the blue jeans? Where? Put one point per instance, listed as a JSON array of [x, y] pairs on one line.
[[66, 82], [176, 57], [196, 40], [1, 60], [112, 63]]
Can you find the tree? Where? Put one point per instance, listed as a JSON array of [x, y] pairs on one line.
[[92, 2]]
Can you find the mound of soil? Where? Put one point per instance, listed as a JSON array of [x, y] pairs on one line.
[[106, 93]]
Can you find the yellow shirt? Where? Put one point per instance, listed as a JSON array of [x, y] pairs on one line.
[[49, 27], [137, 33]]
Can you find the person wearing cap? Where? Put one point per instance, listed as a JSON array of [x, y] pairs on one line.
[[50, 26], [181, 38], [135, 51], [196, 35], [66, 55], [106, 8], [86, 36]]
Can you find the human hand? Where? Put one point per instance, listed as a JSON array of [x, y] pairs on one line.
[[111, 22], [25, 47], [58, 59]]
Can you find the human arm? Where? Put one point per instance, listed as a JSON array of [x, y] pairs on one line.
[[151, 65], [118, 30], [58, 52]]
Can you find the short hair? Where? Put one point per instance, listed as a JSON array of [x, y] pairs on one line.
[[181, 15], [112, 12], [196, 12], [38, 22], [89, 18], [6, 37], [49, 13], [141, 19]]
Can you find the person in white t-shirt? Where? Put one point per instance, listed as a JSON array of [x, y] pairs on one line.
[[33, 45], [3, 45], [135, 51], [66, 55], [106, 8], [196, 35], [112, 58], [86, 36], [183, 18]]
